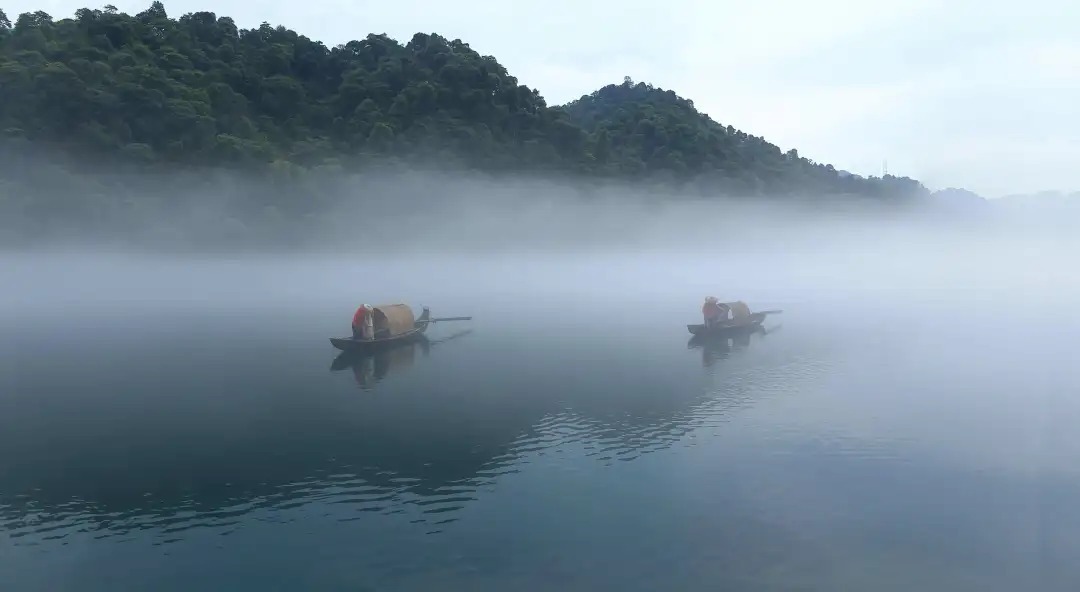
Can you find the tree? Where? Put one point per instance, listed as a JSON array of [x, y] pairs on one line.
[[32, 20], [381, 137], [5, 24], [156, 11], [601, 146]]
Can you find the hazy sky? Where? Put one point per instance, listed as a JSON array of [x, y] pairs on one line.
[[975, 94]]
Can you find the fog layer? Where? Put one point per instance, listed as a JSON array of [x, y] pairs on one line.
[[397, 208], [407, 235]]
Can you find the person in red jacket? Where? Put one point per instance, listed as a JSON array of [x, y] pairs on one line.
[[362, 323], [713, 311]]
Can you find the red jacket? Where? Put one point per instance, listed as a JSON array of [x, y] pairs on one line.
[[712, 311], [358, 318]]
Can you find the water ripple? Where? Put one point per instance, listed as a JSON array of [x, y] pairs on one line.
[[429, 490]]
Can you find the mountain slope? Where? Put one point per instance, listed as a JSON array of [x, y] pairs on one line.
[[198, 91], [636, 128]]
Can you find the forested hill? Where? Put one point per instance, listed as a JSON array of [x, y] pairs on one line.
[[636, 128], [198, 91]]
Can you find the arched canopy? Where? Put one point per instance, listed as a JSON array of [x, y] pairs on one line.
[[739, 310], [394, 319]]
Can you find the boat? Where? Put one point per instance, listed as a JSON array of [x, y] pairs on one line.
[[393, 324], [742, 320]]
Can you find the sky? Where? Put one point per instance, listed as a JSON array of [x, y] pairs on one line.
[[958, 93]]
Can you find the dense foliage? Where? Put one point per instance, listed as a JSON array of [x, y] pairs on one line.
[[636, 128], [197, 90]]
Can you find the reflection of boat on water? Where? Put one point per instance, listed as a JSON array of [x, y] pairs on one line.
[[422, 453], [370, 366], [393, 324], [261, 447], [717, 346]]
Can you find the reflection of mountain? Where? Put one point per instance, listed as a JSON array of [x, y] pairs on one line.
[[204, 449]]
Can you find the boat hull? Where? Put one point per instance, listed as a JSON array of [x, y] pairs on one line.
[[352, 344], [750, 324]]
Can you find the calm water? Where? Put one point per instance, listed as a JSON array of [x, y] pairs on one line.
[[870, 441]]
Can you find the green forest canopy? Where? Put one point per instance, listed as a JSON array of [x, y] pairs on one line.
[[198, 91]]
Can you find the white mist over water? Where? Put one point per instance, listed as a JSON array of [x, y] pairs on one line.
[[914, 410], [1018, 275]]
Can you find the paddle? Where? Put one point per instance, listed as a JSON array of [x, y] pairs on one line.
[[444, 319]]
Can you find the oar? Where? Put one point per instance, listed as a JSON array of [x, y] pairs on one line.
[[770, 311], [445, 319]]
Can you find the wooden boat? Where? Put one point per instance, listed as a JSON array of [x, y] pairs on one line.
[[393, 323], [742, 321]]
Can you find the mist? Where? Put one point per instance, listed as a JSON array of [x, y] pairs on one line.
[[400, 233], [921, 361], [49, 203]]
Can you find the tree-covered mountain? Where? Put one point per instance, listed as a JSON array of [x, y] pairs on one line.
[[636, 128], [198, 91]]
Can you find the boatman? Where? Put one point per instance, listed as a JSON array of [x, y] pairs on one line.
[[714, 312], [363, 326]]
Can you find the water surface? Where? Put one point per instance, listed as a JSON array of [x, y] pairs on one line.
[[570, 437]]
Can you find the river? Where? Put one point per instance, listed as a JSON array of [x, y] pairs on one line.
[[179, 425]]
